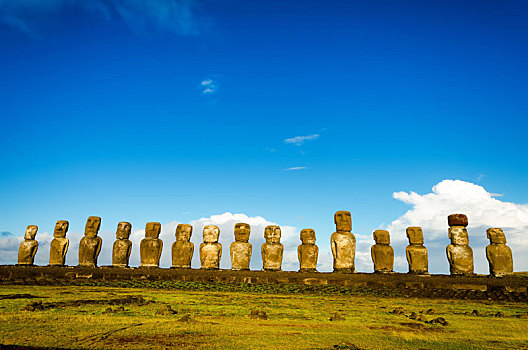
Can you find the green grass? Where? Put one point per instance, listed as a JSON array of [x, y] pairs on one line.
[[220, 319]]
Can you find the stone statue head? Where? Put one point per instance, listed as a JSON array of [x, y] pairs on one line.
[[211, 233], [183, 232], [415, 235], [458, 235], [61, 227], [272, 234], [343, 220], [152, 229], [381, 237], [242, 232], [123, 230], [31, 232], [496, 235], [308, 236], [92, 226], [457, 220]]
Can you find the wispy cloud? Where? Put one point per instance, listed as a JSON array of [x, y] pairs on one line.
[[208, 87], [300, 140], [174, 16], [295, 168]]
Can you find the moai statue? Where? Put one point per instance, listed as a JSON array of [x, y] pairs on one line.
[[151, 246], [183, 248], [272, 250], [343, 243], [241, 248], [416, 252], [459, 253], [122, 245], [90, 244], [499, 255], [59, 244], [308, 251], [28, 247], [210, 249], [381, 252]]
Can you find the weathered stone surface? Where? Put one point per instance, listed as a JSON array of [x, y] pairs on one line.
[[241, 248], [183, 248], [210, 249], [151, 246], [272, 250], [499, 255], [28, 247], [416, 252], [459, 253], [457, 220], [90, 244], [381, 252], [59, 244], [343, 243], [122, 246], [308, 252]]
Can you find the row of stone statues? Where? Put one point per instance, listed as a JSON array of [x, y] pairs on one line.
[[343, 243]]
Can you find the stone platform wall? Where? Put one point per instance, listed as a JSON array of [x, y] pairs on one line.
[[476, 283]]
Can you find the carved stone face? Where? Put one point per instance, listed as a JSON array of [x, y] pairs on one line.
[[61, 227], [31, 232], [211, 233], [415, 235], [152, 229], [381, 237], [343, 220], [496, 235], [308, 236], [92, 226], [242, 232], [123, 230], [272, 234], [458, 235], [183, 232]]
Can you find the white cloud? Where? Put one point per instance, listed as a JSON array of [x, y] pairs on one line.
[[208, 87], [300, 140], [174, 16], [296, 168], [430, 211]]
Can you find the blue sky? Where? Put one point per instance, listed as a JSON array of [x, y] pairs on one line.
[[180, 110]]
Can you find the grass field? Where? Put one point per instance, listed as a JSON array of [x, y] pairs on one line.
[[74, 317]]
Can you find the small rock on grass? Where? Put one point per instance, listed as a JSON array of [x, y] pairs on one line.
[[185, 318], [166, 310], [258, 314], [398, 311], [337, 317]]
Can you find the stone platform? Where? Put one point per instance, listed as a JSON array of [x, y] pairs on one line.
[[512, 288]]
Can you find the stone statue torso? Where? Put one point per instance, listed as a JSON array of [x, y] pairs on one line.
[[150, 251], [89, 248], [383, 257], [58, 249], [210, 254], [272, 256], [460, 259], [417, 258], [344, 244], [308, 254], [26, 252], [240, 255], [500, 259], [121, 252], [182, 252]]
